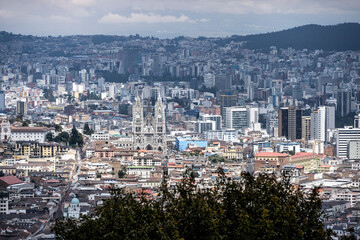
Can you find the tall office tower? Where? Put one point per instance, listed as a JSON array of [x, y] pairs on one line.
[[253, 91], [216, 118], [223, 82], [344, 137], [209, 80], [2, 101], [253, 117], [236, 118], [21, 108], [297, 92], [272, 123], [131, 58], [321, 120], [343, 102], [227, 101], [290, 122], [306, 129]]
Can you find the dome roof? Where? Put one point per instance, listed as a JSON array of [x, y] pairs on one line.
[[75, 201]]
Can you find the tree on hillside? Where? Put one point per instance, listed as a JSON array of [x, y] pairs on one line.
[[252, 208], [49, 137], [62, 137], [87, 129], [76, 138]]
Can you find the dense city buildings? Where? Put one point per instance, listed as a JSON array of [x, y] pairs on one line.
[[80, 115]]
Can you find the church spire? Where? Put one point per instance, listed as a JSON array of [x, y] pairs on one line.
[[149, 108]]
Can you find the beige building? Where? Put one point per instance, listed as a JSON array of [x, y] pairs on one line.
[[306, 130]]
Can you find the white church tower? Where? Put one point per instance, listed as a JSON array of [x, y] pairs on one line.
[[149, 132]]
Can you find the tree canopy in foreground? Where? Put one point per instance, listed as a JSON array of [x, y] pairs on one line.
[[252, 208]]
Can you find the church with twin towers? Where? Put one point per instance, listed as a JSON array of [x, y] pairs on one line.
[[149, 128]]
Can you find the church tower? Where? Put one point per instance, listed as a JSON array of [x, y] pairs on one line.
[[159, 123], [149, 132], [138, 119]]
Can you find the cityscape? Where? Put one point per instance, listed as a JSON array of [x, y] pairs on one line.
[[81, 115]]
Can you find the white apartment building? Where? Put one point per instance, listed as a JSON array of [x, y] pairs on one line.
[[37, 134], [204, 126], [100, 136], [344, 136], [322, 120], [236, 118]]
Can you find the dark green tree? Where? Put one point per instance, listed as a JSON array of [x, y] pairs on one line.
[[2, 173], [49, 137], [76, 138], [49, 95], [122, 172], [252, 208], [87, 129], [62, 137]]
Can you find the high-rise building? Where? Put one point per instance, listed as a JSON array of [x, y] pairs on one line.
[[227, 101], [253, 116], [343, 102], [236, 118], [297, 92], [306, 129], [209, 80], [2, 101], [204, 126], [21, 108], [216, 118], [290, 123], [321, 120], [344, 136], [223, 82]]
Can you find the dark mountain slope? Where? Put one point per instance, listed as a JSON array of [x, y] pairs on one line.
[[341, 37]]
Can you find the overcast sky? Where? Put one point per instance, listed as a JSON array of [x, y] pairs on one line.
[[169, 18]]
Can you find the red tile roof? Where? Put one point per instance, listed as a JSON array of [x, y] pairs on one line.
[[10, 180], [303, 154], [270, 154]]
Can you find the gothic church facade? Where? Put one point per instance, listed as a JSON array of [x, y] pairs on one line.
[[149, 131]]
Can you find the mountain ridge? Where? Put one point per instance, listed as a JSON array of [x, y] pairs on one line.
[[339, 37]]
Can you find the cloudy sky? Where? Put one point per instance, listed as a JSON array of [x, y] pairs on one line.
[[169, 18]]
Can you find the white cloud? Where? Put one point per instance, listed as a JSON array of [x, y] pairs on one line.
[[144, 18], [84, 3], [249, 6], [61, 18], [5, 13], [204, 20]]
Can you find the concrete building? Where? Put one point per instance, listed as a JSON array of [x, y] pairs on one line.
[[224, 135], [21, 108], [204, 126], [354, 150], [182, 144], [270, 161], [236, 118], [343, 137], [343, 102], [290, 123], [216, 118], [321, 120], [36, 134], [306, 127]]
